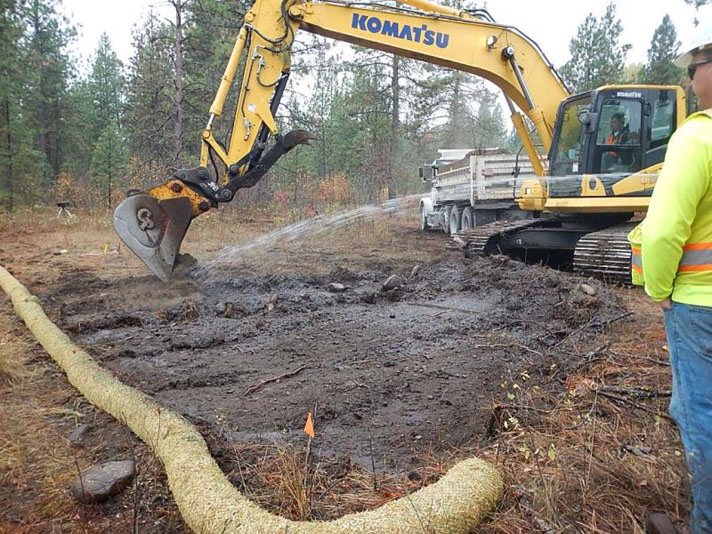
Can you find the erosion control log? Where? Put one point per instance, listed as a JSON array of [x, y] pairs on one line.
[[208, 502]]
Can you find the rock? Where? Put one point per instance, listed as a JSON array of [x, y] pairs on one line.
[[335, 287], [59, 252], [271, 303], [414, 476], [225, 309], [394, 281], [415, 271], [589, 290], [101, 482], [76, 438], [369, 297]]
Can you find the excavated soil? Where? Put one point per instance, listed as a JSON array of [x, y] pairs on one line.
[[389, 373]]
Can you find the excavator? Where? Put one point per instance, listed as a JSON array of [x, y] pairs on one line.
[[590, 180]]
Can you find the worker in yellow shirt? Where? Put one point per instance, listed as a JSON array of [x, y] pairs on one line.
[[676, 264]]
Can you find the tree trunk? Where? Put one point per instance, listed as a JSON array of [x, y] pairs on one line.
[[178, 96], [108, 188], [9, 200], [395, 128], [43, 141]]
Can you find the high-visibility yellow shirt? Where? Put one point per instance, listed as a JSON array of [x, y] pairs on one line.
[[677, 231]]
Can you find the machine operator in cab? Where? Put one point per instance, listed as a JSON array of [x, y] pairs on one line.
[[620, 135]]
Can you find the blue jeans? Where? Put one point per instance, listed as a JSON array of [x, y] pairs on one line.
[[689, 335]]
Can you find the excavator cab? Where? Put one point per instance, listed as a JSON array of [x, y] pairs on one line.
[[610, 134]]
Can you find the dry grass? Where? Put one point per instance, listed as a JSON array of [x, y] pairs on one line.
[[35, 462], [12, 363], [280, 478], [38, 410], [588, 457]]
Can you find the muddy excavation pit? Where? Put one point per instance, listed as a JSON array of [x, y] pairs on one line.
[[390, 373]]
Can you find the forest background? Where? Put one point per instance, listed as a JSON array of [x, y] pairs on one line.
[[86, 133]]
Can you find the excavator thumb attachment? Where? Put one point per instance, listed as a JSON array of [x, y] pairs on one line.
[[153, 229]]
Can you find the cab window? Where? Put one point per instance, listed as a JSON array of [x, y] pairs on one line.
[[566, 159], [663, 120], [618, 140]]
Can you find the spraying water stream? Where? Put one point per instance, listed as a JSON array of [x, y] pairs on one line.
[[301, 230]]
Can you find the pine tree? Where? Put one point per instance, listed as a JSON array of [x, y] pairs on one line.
[[698, 3], [108, 162], [33, 79], [106, 85], [663, 50], [47, 36], [11, 73], [597, 52], [149, 95], [487, 125]]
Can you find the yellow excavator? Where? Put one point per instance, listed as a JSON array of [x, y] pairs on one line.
[[602, 149]]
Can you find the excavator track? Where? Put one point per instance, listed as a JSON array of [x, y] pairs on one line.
[[482, 240], [605, 254]]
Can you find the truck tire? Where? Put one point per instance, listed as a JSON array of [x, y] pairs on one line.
[[423, 219], [454, 220], [468, 218], [445, 219]]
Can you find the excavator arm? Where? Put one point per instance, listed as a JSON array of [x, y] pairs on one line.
[[153, 223]]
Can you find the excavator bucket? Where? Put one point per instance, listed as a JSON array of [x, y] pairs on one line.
[[153, 229]]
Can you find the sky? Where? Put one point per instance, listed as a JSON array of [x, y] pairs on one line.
[[551, 23]]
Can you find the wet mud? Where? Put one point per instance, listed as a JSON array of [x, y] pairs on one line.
[[388, 373]]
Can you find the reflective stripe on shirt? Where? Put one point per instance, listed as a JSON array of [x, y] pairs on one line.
[[696, 257], [636, 260]]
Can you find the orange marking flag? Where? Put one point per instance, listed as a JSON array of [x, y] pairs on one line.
[[309, 427]]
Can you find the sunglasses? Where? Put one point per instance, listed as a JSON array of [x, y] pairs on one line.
[[692, 67]]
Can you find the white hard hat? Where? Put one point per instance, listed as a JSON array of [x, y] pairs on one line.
[[699, 39]]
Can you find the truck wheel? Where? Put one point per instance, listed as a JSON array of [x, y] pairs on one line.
[[468, 218], [445, 219], [454, 223], [423, 219]]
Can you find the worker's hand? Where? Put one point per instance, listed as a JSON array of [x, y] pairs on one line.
[[665, 304]]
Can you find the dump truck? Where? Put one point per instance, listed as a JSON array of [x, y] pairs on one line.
[[472, 187]]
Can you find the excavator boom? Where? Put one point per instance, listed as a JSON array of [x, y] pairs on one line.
[[153, 223]]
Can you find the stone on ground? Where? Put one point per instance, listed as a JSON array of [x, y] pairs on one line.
[[101, 482]]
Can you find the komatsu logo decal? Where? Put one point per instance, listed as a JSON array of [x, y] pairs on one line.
[[629, 94], [418, 34]]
